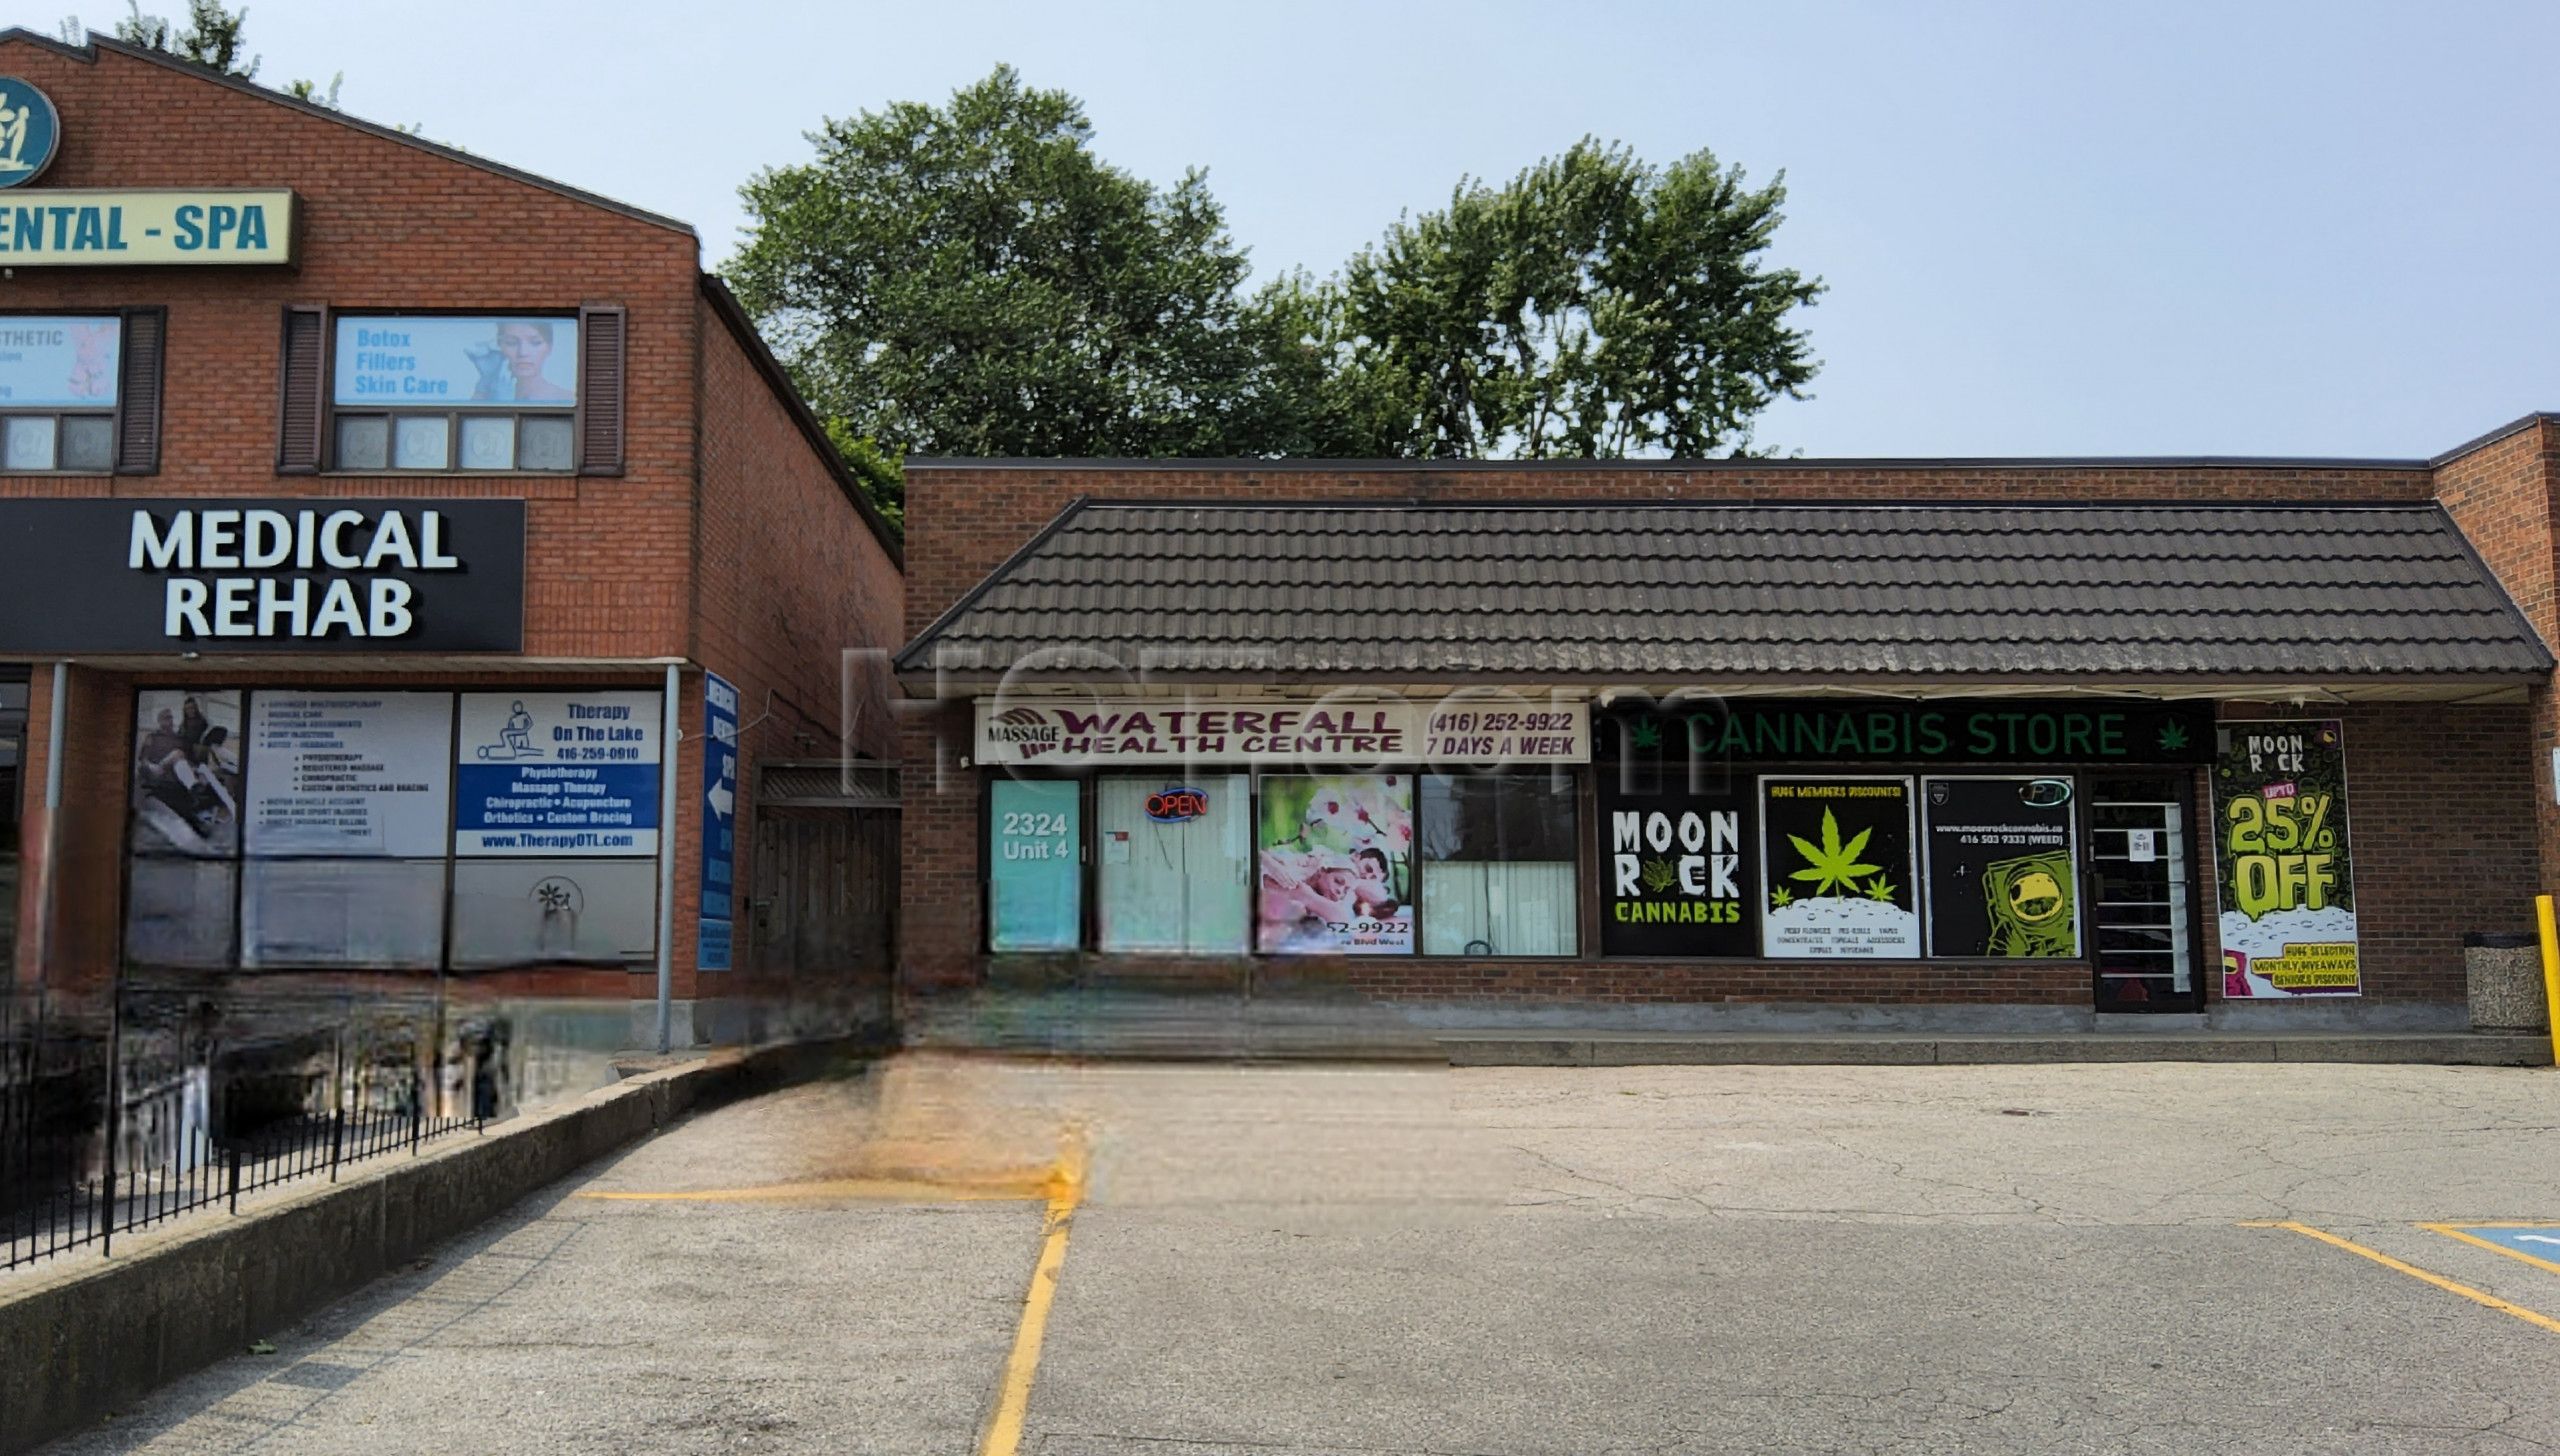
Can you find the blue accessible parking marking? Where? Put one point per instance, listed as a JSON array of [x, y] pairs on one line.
[[2537, 1244]]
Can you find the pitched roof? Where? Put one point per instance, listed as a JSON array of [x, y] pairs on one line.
[[1649, 591]]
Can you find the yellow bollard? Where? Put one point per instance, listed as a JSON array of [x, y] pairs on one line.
[[2550, 971]]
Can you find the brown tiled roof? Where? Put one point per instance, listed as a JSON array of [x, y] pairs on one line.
[[1646, 591]]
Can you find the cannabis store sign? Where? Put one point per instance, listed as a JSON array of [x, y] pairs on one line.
[[1980, 731], [2281, 863]]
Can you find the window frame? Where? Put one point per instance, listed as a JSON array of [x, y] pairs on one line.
[[114, 416], [1575, 780], [453, 412]]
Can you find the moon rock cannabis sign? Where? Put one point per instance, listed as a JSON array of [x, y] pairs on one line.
[[2282, 867]]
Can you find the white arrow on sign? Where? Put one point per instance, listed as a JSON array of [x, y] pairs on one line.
[[722, 800]]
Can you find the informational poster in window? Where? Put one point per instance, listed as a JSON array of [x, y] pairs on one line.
[[1035, 870], [554, 773], [2282, 868], [349, 774], [1998, 860], [391, 360], [187, 772], [1336, 860], [527, 912], [1679, 870], [52, 362], [1836, 856]]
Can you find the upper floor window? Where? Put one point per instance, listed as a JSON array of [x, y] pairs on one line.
[[412, 392], [452, 393], [79, 393]]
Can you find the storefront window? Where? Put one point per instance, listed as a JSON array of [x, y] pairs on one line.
[[59, 383], [1336, 864], [1498, 871], [1035, 869], [1173, 870]]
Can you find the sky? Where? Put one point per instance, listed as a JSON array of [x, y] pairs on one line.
[[2323, 229]]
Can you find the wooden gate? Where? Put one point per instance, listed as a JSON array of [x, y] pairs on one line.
[[823, 918]]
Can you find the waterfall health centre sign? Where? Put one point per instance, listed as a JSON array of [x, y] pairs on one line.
[[2281, 863], [1836, 857], [558, 774], [1459, 729]]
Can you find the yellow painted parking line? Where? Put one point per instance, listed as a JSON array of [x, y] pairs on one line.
[[2455, 1231], [1013, 1400], [936, 1188], [2531, 1317]]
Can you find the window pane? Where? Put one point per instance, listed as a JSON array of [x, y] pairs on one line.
[[488, 442], [186, 772], [88, 442], [421, 442], [545, 442], [1337, 864], [1499, 876], [513, 912], [1035, 883], [382, 914], [29, 443], [178, 913], [364, 442], [1173, 879]]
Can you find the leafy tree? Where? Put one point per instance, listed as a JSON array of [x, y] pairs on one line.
[[972, 279], [215, 36], [1594, 306]]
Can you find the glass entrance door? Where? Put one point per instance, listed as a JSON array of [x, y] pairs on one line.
[[2144, 936]]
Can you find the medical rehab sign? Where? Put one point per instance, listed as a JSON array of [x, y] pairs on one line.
[[1460, 729], [142, 576]]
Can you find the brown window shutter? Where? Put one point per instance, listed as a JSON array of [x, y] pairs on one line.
[[305, 389], [146, 332], [601, 330]]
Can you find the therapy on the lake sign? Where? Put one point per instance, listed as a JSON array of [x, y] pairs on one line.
[[114, 226]]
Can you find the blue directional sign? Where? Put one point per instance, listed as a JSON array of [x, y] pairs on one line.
[[2537, 1242], [719, 821]]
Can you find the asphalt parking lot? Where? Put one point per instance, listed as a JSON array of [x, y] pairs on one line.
[[966, 1255]]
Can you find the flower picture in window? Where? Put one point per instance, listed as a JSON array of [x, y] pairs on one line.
[[1336, 864]]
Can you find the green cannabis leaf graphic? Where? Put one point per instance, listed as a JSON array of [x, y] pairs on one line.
[[1880, 888], [2173, 736], [1833, 867], [1658, 875], [1781, 897], [1646, 733]]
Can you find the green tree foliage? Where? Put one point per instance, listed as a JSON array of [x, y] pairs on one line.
[[1595, 306], [214, 35], [973, 280]]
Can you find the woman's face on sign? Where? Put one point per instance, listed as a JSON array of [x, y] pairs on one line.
[[525, 348]]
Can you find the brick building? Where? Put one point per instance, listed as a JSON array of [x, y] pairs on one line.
[[1950, 743], [430, 559]]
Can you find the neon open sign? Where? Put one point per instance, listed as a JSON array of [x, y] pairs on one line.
[[1177, 806]]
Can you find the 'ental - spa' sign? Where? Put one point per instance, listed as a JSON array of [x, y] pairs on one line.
[[1459, 729], [260, 576]]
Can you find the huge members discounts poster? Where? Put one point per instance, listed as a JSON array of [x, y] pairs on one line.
[[2281, 865], [549, 773], [1679, 874], [1336, 856], [2000, 869], [1836, 858]]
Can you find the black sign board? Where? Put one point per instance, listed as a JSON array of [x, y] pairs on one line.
[[1679, 872], [1839, 865], [2001, 874], [261, 576], [1951, 731]]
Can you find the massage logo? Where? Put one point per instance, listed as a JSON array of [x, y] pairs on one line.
[[1030, 731]]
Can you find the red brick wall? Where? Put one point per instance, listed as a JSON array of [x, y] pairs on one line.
[[2506, 498], [2439, 794], [791, 579]]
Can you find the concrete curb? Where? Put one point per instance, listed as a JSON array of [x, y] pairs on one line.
[[88, 1336], [2453, 1049]]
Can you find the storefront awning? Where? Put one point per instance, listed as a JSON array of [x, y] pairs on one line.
[[2067, 595]]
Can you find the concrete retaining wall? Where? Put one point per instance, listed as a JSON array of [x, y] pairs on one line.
[[85, 1335]]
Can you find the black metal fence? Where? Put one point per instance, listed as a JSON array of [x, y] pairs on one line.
[[104, 1131]]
